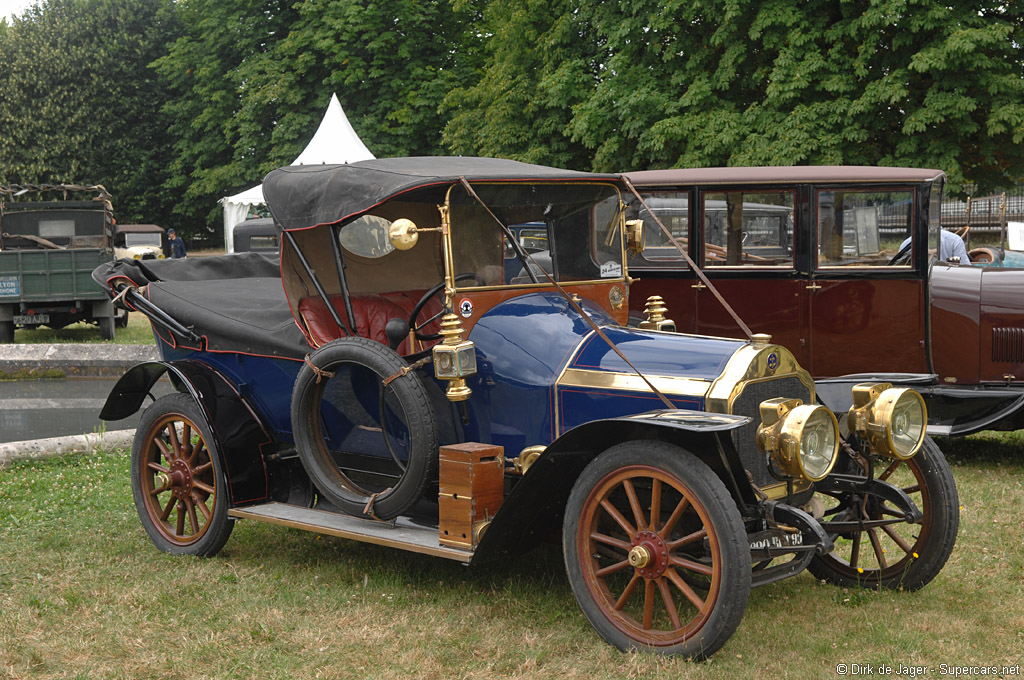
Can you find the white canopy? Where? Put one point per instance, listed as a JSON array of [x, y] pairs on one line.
[[334, 142]]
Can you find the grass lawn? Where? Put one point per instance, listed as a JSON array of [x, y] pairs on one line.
[[83, 594], [138, 332]]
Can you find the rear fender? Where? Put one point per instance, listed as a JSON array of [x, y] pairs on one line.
[[238, 431], [536, 503]]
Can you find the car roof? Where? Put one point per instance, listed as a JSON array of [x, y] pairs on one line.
[[789, 174], [139, 229], [304, 196]]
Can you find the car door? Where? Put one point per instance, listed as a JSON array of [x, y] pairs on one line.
[[866, 298]]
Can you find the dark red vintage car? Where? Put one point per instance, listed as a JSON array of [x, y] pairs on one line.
[[818, 258]]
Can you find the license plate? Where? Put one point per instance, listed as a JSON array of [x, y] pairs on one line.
[[764, 540], [30, 319]]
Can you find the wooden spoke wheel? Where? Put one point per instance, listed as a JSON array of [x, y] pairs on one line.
[[177, 481], [885, 551], [656, 552]]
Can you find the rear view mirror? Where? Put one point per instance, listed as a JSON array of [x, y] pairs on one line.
[[635, 236]]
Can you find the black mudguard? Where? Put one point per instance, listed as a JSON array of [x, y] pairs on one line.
[[536, 503], [239, 433]]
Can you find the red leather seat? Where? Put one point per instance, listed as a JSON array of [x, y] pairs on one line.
[[372, 312]]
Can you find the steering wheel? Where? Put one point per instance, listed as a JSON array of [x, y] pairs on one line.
[[418, 308], [903, 254]]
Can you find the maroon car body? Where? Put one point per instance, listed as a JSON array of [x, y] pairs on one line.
[[814, 256]]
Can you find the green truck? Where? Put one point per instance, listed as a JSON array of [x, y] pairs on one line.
[[51, 238]]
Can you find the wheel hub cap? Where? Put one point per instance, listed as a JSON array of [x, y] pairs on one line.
[[649, 554], [181, 479]]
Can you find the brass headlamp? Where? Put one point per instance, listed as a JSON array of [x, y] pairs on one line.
[[802, 439], [893, 420]]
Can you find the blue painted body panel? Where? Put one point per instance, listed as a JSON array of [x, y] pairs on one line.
[[522, 347]]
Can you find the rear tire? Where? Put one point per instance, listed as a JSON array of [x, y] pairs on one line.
[[177, 479], [106, 327]]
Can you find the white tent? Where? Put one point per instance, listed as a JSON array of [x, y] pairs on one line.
[[335, 142]]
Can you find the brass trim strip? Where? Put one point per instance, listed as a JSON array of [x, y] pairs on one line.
[[629, 382], [436, 551]]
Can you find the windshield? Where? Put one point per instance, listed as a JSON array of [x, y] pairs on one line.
[[572, 232], [133, 240]]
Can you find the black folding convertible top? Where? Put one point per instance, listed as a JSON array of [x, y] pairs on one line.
[[235, 302], [303, 196]]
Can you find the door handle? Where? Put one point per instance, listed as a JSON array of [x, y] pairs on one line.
[[698, 286], [814, 286]]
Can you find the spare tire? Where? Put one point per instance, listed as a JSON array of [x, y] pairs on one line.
[[367, 439]]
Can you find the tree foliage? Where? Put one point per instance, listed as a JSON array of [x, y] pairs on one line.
[[78, 102], [253, 85], [756, 82]]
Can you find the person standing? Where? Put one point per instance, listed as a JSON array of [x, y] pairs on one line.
[[177, 245]]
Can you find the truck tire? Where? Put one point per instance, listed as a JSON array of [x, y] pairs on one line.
[[107, 327], [6, 332]]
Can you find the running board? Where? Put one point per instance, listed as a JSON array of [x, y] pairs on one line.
[[400, 533]]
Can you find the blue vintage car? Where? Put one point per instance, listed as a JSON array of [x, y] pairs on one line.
[[395, 377]]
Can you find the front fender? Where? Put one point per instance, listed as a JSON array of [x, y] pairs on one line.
[[536, 503], [238, 431]]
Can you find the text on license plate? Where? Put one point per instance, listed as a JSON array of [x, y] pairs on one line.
[[763, 540], [26, 319]]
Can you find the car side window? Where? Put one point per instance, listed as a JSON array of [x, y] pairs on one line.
[[748, 229], [864, 228]]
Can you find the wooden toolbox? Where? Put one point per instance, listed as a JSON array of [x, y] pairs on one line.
[[470, 490]]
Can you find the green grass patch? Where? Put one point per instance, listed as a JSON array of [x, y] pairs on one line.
[[83, 594], [138, 332], [32, 374]]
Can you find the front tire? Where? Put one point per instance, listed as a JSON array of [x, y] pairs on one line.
[[177, 479], [898, 555], [656, 552]]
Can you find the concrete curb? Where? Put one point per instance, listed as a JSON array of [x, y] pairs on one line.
[[83, 359], [52, 447]]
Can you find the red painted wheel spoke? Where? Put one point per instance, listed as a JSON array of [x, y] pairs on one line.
[[897, 539], [200, 469], [186, 442], [916, 488], [855, 554], [193, 520], [180, 528], [879, 553], [685, 589], [690, 565], [655, 504], [200, 445], [167, 511], [203, 487], [617, 516], [201, 503], [175, 444], [648, 605], [670, 605], [686, 540], [612, 568], [609, 540], [670, 523], [630, 587], [163, 448], [889, 470], [634, 503], [157, 467]]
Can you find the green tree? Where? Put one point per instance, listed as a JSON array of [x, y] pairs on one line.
[[253, 83], [78, 102], [734, 82]]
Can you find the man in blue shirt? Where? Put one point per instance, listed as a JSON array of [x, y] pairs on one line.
[[950, 245], [177, 245]]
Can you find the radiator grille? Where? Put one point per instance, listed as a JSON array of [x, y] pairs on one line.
[[1008, 345], [747, 405]]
